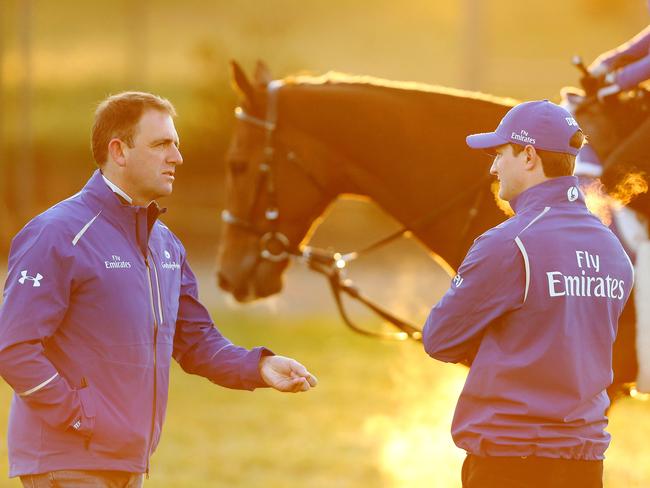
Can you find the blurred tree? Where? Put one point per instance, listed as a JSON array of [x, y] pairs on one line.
[[473, 42], [211, 124], [4, 210], [24, 172], [137, 52], [608, 8]]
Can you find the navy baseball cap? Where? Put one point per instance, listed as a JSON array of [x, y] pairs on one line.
[[542, 124]]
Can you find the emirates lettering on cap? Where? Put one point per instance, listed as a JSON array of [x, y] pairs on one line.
[[523, 137]]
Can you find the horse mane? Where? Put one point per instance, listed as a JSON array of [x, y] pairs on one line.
[[336, 77]]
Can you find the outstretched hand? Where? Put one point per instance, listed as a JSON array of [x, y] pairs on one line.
[[286, 374]]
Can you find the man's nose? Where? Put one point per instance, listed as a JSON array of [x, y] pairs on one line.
[[493, 168], [175, 156]]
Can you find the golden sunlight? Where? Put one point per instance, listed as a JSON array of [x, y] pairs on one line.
[[598, 202], [502, 204], [416, 445], [637, 395], [632, 184]]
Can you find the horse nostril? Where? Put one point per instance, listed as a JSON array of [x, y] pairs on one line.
[[224, 284]]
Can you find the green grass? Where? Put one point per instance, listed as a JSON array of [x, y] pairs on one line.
[[379, 418]]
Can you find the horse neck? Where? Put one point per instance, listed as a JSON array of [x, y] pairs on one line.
[[404, 149]]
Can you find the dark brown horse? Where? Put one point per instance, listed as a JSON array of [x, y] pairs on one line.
[[607, 125], [301, 142]]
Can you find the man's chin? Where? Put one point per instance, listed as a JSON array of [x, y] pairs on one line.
[[165, 191]]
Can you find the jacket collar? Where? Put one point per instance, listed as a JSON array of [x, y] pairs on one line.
[[116, 189], [556, 191], [136, 222]]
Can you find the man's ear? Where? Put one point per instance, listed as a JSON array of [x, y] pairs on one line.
[[532, 158], [116, 152]]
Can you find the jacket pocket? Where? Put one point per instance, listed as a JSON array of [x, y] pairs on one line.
[[87, 402], [85, 424], [123, 400]]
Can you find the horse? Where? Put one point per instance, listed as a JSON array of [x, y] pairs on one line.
[[607, 124], [301, 142]]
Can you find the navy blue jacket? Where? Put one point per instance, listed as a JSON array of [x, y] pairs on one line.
[[99, 297], [535, 307]]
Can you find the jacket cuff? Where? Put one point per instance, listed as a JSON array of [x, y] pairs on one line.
[[633, 74], [250, 374]]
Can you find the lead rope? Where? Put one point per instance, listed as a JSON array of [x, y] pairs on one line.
[[332, 264]]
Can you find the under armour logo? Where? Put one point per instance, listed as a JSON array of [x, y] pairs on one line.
[[24, 276]]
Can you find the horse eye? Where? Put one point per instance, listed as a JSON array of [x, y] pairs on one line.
[[238, 166]]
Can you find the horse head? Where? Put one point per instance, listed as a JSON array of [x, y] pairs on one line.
[[607, 124], [273, 197], [596, 122], [302, 141]]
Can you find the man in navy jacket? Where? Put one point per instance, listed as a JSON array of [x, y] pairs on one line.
[[534, 309], [99, 297]]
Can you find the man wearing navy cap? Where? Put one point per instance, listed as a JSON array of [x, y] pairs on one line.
[[534, 309]]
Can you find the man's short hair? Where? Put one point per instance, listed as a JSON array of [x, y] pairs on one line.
[[118, 116], [556, 164]]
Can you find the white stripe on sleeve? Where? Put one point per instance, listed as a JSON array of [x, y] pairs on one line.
[[84, 229], [38, 387], [521, 247]]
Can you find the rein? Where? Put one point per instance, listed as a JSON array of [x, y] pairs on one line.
[[328, 263], [331, 265]]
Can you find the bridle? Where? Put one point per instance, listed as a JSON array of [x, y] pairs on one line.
[[325, 262], [265, 181]]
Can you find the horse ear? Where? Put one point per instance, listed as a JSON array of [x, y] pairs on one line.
[[571, 94], [262, 74], [240, 83]]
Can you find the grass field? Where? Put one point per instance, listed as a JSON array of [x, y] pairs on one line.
[[379, 418]]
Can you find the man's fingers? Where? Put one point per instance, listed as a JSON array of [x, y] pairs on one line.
[[290, 376], [311, 379], [300, 384], [300, 370]]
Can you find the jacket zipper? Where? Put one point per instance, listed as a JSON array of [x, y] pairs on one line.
[[155, 353]]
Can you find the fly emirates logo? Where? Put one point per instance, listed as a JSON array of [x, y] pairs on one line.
[[583, 285], [117, 263]]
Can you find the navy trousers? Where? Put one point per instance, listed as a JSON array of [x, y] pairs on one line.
[[83, 479], [530, 472]]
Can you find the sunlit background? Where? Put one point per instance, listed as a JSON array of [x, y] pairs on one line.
[[381, 416]]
